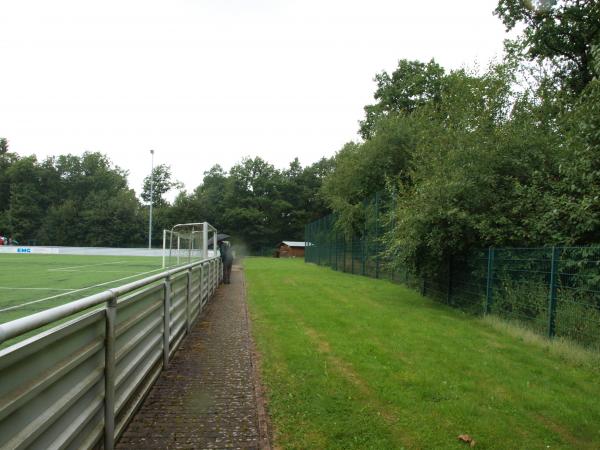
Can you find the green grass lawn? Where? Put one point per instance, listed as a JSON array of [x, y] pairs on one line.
[[31, 283], [353, 362]]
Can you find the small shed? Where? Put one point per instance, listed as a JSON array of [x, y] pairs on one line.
[[290, 249]]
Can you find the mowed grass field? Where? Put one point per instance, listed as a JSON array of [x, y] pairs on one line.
[[353, 362], [30, 283]]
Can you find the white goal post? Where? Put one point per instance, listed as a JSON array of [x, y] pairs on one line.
[[186, 242]]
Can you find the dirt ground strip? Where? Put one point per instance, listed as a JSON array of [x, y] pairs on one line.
[[209, 396]]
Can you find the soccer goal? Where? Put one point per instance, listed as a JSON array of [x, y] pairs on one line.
[[187, 242]]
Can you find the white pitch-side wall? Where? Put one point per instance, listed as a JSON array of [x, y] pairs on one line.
[[93, 251]]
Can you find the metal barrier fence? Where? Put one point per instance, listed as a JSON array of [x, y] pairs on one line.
[[552, 290], [78, 384]]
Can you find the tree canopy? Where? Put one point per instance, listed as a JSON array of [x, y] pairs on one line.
[[507, 156], [561, 33], [86, 200]]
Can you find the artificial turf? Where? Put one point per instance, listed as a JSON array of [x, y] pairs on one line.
[[30, 283], [353, 362]]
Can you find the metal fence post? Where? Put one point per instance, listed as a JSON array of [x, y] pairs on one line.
[[377, 237], [202, 277], [200, 287], [306, 248], [188, 301], [166, 321], [352, 254], [489, 291], [449, 293], [552, 292], [211, 276], [215, 276], [110, 374], [363, 252], [335, 249], [321, 243], [345, 252], [394, 204]]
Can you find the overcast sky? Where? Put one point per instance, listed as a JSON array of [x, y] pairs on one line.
[[211, 81]]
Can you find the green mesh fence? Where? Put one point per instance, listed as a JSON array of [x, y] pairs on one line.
[[552, 290]]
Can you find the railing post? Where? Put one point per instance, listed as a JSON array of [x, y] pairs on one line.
[[209, 279], [164, 248], [166, 321], [110, 374], [188, 301], [201, 286], [489, 291], [552, 292], [215, 276], [214, 268], [212, 277]]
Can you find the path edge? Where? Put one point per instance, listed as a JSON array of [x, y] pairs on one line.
[[265, 435]]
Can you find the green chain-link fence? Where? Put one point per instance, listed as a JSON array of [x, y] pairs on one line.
[[552, 290]]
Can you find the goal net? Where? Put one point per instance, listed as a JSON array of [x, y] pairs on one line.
[[188, 242]]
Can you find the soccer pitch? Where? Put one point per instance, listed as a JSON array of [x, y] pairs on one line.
[[31, 283]]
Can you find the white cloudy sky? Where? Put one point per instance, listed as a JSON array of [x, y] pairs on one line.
[[211, 81]]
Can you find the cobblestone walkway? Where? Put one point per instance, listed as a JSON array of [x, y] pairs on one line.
[[207, 397]]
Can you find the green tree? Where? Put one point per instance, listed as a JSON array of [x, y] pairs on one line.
[[255, 206], [162, 182], [567, 199], [411, 85], [28, 201], [210, 195], [362, 169], [7, 159], [559, 32], [3, 146]]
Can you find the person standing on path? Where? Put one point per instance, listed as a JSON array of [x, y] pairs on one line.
[[227, 260]]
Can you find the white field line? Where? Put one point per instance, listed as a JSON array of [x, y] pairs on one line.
[[85, 265], [9, 288], [10, 308]]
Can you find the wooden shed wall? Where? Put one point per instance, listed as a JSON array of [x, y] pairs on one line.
[[286, 251]]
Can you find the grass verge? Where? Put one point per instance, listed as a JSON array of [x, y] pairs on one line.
[[352, 362]]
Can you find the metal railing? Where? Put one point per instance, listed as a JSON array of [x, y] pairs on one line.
[[78, 384]]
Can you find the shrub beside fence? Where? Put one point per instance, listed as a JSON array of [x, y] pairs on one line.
[[552, 290]]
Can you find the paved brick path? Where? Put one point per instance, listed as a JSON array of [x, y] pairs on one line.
[[207, 397]]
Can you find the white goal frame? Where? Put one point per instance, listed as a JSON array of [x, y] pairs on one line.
[[191, 229]]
